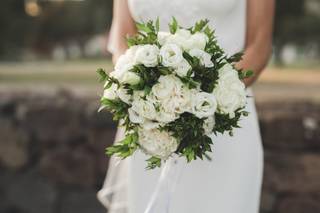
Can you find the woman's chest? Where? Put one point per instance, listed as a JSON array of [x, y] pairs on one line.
[[211, 9]]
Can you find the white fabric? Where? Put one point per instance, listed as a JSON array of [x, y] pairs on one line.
[[231, 182]]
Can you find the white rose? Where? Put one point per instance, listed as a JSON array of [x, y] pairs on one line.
[[204, 104], [208, 125], [230, 94], [148, 124], [204, 57], [130, 78], [180, 102], [157, 143], [123, 95], [180, 38], [126, 61], [183, 68], [171, 55], [110, 93], [227, 71], [172, 97], [166, 116], [144, 108], [183, 33], [167, 86], [135, 117], [197, 41], [147, 55], [138, 94], [163, 37]]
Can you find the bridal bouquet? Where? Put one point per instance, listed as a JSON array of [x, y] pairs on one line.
[[173, 91]]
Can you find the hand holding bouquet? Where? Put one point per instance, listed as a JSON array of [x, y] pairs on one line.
[[173, 91]]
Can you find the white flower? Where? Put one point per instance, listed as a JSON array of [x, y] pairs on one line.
[[180, 38], [183, 68], [135, 117], [157, 143], [126, 61], [138, 94], [130, 78], [197, 41], [204, 104], [204, 57], [163, 37], [180, 102], [167, 86], [227, 71], [166, 116], [147, 55], [171, 96], [144, 108], [171, 55], [110, 93], [123, 95], [183, 33], [230, 91], [148, 124], [208, 125]]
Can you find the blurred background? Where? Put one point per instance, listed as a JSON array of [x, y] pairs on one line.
[[52, 140]]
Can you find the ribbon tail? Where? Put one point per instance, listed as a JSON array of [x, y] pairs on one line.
[[161, 198]]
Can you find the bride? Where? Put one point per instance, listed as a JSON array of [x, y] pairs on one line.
[[231, 182]]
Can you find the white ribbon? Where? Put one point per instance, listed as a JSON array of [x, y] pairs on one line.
[[161, 198]]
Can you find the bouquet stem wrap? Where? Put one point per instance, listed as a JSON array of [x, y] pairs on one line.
[[160, 200]]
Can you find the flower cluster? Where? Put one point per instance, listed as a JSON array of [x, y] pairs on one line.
[[172, 91]]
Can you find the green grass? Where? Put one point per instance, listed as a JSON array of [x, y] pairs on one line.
[[53, 72], [78, 71]]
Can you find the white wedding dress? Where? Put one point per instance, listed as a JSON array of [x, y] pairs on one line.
[[231, 182]]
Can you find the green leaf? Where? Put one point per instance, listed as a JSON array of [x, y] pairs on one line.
[[143, 27], [153, 163], [157, 24], [200, 25], [102, 74], [246, 74], [235, 58], [124, 148], [173, 26]]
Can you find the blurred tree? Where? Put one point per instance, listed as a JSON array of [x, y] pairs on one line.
[[294, 25], [61, 21], [57, 22], [14, 25]]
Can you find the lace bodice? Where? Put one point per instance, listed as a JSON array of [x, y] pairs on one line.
[[228, 17]]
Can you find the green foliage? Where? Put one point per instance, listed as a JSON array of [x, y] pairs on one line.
[[124, 148], [103, 75], [149, 76], [153, 163], [189, 132], [246, 74], [173, 26], [206, 77], [212, 46], [235, 58], [224, 123], [147, 34], [117, 107], [199, 26]]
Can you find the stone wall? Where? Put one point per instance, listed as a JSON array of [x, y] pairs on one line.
[[52, 160]]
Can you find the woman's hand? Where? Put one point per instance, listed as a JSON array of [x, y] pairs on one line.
[[258, 47]]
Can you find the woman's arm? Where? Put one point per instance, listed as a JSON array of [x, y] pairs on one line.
[[122, 25], [259, 37]]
